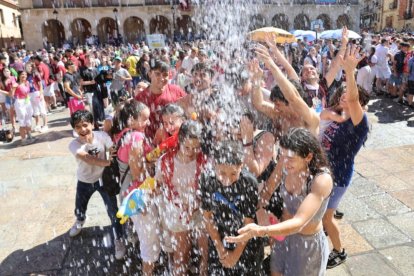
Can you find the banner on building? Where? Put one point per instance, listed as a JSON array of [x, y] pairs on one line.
[[156, 41]]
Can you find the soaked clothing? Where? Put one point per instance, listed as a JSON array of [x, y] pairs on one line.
[[292, 202], [342, 141], [299, 255], [230, 206]]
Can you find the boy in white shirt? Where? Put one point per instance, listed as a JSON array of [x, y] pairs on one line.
[[89, 150]]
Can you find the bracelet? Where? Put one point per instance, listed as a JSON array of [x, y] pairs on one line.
[[248, 144]]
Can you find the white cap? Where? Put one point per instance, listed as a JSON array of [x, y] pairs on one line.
[[374, 59]]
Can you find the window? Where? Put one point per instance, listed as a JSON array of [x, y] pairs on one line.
[[14, 20], [2, 17]]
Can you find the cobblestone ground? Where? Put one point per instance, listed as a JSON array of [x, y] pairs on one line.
[[37, 190]]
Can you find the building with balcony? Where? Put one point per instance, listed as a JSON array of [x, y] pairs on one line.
[[371, 12], [387, 15], [10, 34], [57, 21], [406, 15]]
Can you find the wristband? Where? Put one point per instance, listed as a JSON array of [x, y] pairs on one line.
[[248, 144]]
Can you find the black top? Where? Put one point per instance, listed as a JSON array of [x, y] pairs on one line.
[[230, 205], [89, 74], [74, 81]]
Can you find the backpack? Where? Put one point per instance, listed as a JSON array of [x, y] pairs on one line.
[[111, 175]]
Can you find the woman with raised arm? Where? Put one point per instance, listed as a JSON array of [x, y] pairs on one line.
[[342, 142], [286, 107], [305, 188]]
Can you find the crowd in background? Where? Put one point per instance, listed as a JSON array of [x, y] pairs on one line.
[[264, 133]]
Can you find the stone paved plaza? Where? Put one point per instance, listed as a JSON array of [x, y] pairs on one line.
[[37, 190]]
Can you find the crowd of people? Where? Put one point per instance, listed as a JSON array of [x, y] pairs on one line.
[[266, 138]]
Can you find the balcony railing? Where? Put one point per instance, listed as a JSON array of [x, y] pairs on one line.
[[325, 2], [51, 4]]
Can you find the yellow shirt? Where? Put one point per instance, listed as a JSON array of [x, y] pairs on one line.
[[132, 61]]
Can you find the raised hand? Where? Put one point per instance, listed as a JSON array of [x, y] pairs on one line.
[[351, 59], [270, 40], [256, 73], [263, 55], [345, 34]]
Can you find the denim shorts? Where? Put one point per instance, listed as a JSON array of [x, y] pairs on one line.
[[396, 80], [336, 196]]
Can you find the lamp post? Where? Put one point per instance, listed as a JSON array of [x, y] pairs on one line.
[[115, 10], [173, 10]]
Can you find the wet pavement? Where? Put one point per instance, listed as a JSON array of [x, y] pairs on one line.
[[37, 191]]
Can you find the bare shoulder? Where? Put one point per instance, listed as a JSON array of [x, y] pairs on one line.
[[322, 184]]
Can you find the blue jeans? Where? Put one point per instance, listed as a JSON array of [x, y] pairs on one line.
[[84, 192]]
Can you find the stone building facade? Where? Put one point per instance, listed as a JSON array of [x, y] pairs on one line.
[[380, 15], [10, 35], [57, 21]]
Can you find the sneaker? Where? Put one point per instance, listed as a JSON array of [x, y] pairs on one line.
[[336, 258], [76, 228], [37, 128], [120, 249], [24, 142], [338, 214], [44, 129]]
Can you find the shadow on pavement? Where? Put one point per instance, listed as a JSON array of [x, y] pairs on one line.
[[90, 253], [389, 111]]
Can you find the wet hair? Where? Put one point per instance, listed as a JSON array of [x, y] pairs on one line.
[[81, 116], [277, 95], [229, 152], [363, 96], [171, 109], [190, 130], [302, 142], [204, 67], [335, 98], [160, 66], [124, 113]]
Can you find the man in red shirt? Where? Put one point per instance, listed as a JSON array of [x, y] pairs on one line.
[[158, 95], [69, 56], [59, 71]]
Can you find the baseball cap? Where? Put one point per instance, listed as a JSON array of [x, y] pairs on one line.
[[118, 59]]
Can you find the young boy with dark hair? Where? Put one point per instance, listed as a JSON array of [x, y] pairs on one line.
[[89, 150], [158, 94], [229, 199]]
